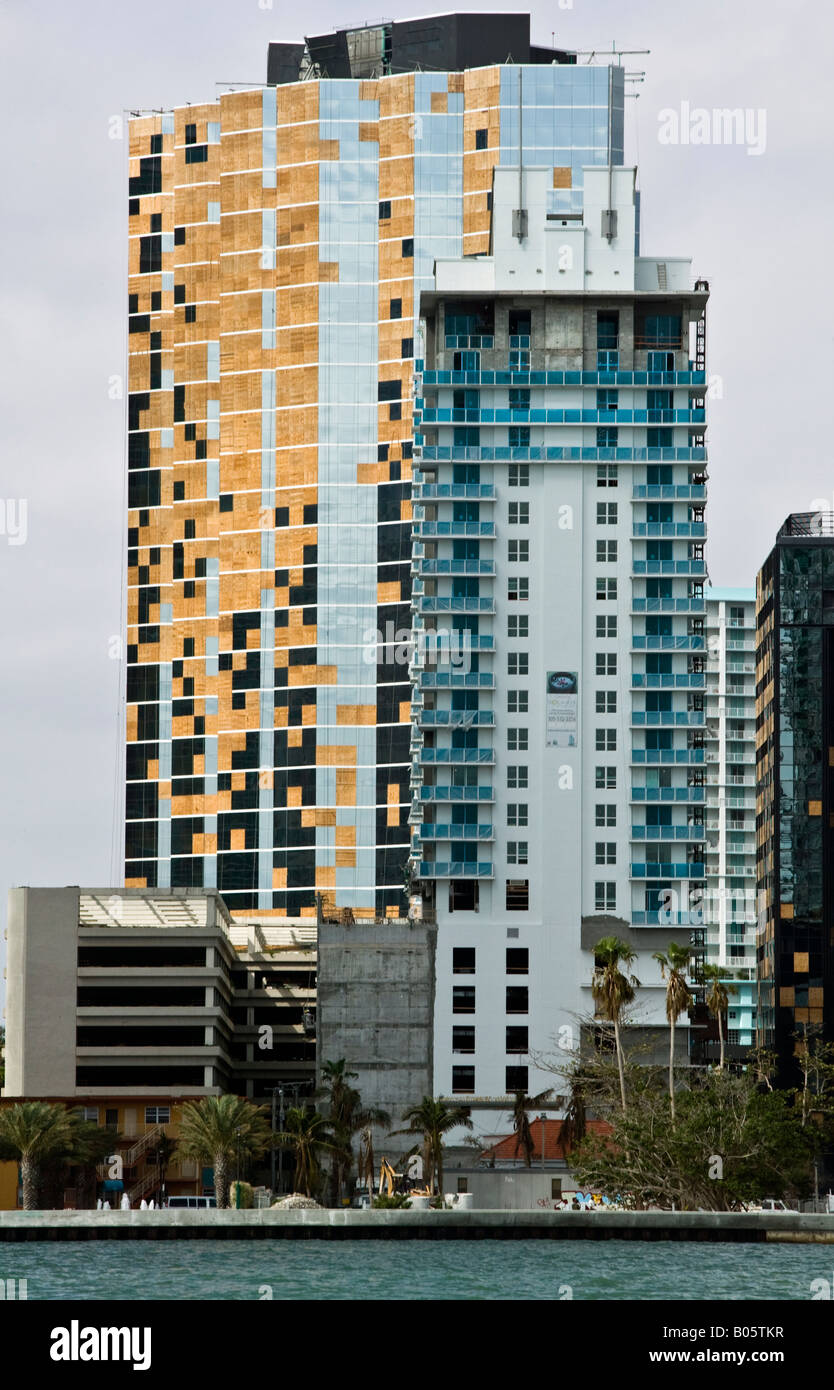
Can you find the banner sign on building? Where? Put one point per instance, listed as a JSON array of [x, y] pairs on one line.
[[562, 709]]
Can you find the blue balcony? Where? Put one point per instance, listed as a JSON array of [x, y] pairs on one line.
[[693, 567], [689, 795], [479, 567], [667, 680], [474, 453], [608, 377], [668, 642], [673, 492], [439, 492], [443, 603], [682, 530], [663, 917], [432, 639], [456, 718], [668, 718], [511, 415], [455, 869], [668, 605], [478, 342], [457, 755], [667, 832], [429, 831], [463, 529], [663, 757], [456, 680], [695, 870], [483, 792]]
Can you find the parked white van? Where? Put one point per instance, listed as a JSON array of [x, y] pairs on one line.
[[191, 1203]]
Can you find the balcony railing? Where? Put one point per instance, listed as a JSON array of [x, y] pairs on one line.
[[429, 567], [523, 415], [462, 529], [455, 869], [456, 719], [475, 453], [692, 795], [457, 755], [440, 492], [686, 642], [666, 756], [456, 680], [689, 566], [665, 680], [680, 870], [667, 717], [433, 831], [611, 376], [667, 832], [681, 529], [444, 603], [680, 492], [480, 793], [668, 605]]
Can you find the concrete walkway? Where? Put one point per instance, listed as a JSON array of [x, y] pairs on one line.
[[414, 1225]]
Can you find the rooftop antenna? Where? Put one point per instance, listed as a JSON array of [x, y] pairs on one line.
[[609, 216], [592, 53], [520, 214]]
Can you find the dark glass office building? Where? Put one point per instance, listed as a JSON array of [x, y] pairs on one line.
[[795, 786]]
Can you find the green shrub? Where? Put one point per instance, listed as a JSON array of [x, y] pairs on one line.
[[399, 1202], [247, 1195]]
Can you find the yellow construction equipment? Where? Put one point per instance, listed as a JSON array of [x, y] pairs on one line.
[[391, 1182]]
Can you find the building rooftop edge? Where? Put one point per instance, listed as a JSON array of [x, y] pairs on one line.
[[741, 595]]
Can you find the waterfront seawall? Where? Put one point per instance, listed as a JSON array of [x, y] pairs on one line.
[[414, 1225]]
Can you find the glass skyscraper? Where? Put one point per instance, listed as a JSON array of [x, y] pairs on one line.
[[279, 241], [795, 810]]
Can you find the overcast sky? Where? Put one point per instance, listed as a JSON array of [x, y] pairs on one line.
[[752, 222]]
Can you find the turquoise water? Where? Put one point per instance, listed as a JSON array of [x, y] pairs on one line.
[[377, 1269]]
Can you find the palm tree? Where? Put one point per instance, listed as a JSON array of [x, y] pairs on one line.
[[612, 991], [33, 1132], [89, 1145], [215, 1129], [347, 1117], [432, 1119], [575, 1122], [307, 1136], [365, 1165], [521, 1123], [673, 967], [718, 1001]]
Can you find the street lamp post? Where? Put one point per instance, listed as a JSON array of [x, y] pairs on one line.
[[293, 1088], [272, 1159], [237, 1184], [281, 1151]]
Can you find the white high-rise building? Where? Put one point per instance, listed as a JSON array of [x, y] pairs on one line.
[[558, 730], [730, 890]]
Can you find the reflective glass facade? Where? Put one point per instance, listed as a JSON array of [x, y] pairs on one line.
[[279, 240], [795, 809]]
